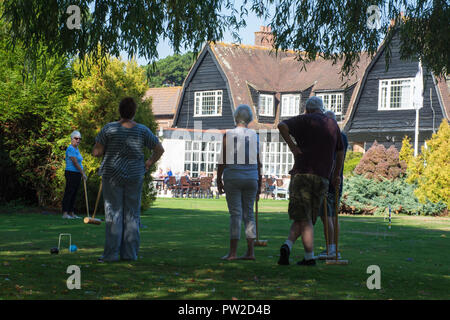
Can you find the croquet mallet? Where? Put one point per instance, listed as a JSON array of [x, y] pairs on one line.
[[325, 224], [336, 260], [258, 243], [92, 220]]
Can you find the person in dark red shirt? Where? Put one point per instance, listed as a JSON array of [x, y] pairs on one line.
[[317, 140]]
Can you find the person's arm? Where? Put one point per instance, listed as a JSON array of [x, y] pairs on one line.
[[156, 155], [98, 150], [336, 173], [221, 166], [77, 165], [284, 131], [259, 173], [340, 154]]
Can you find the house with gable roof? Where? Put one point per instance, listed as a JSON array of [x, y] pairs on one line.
[[272, 83], [383, 110], [276, 87]]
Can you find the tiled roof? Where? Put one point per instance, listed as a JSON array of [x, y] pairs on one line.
[[266, 70], [164, 100], [444, 91]]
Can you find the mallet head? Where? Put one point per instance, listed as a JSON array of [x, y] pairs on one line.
[[89, 220], [338, 262], [261, 243]]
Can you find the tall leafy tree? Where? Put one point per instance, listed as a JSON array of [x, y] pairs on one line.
[[170, 71], [430, 170], [34, 122], [99, 87], [333, 29]]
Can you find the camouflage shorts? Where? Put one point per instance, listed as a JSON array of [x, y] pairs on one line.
[[306, 194]]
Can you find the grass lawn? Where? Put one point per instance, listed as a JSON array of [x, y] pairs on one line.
[[181, 245]]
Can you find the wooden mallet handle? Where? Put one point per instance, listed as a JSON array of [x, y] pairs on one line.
[[98, 198], [336, 227], [325, 220], [86, 197]]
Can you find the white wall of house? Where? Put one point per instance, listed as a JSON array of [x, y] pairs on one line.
[[181, 154], [173, 156]]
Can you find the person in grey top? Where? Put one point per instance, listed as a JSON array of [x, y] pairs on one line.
[[241, 169], [121, 144]]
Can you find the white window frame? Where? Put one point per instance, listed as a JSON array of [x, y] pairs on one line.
[[200, 155], [327, 105], [267, 109], [290, 105], [387, 84], [198, 103], [277, 159]]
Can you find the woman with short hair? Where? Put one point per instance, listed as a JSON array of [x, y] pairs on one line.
[[122, 143], [73, 174], [241, 169]]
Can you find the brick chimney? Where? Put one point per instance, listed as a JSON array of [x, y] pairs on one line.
[[264, 37]]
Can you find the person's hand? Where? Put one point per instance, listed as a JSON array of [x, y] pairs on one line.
[[220, 186], [148, 164], [84, 176]]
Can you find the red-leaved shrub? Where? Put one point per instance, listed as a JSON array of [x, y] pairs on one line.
[[378, 163]]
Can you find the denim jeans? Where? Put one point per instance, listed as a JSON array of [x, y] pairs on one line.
[[122, 219], [241, 195]]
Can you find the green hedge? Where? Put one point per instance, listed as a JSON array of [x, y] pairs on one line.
[[351, 161], [368, 196]]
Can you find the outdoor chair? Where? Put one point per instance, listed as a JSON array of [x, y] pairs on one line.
[[173, 186], [185, 187], [158, 185], [195, 187], [269, 188], [205, 187], [279, 190]]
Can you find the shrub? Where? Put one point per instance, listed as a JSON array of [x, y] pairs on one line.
[[351, 161], [368, 196], [34, 116], [99, 88], [430, 170], [406, 152], [378, 163]]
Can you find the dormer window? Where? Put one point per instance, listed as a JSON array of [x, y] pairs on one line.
[[290, 105], [396, 94], [208, 103], [332, 101], [266, 105]]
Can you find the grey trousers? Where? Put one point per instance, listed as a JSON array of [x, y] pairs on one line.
[[122, 220], [241, 195]]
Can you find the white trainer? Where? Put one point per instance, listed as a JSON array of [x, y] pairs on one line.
[[331, 255]]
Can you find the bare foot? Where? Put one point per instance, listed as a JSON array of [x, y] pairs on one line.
[[246, 257], [228, 257]]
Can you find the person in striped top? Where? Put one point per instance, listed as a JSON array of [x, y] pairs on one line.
[[122, 144]]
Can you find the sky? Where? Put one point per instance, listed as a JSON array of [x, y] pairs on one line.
[[247, 37]]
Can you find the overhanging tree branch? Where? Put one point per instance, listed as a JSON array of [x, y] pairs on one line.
[[333, 29]]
